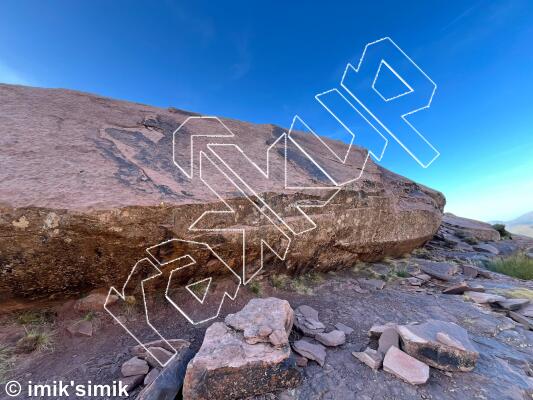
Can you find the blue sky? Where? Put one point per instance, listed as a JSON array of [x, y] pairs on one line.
[[264, 62]]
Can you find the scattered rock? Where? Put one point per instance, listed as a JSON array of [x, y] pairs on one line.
[[376, 330], [513, 304], [388, 338], [484, 273], [306, 321], [457, 289], [476, 288], [484, 298], [470, 271], [228, 366], [456, 354], [157, 356], [300, 361], [371, 284], [526, 322], [450, 240], [264, 320], [464, 247], [440, 270], [94, 302], [345, 328], [154, 372], [370, 357], [486, 248], [132, 381], [405, 367], [311, 351], [526, 311], [331, 339], [81, 328], [135, 366], [423, 277]]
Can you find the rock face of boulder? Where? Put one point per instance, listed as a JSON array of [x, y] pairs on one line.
[[307, 321], [88, 183], [228, 366]]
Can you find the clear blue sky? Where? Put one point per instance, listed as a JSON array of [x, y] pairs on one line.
[[261, 61]]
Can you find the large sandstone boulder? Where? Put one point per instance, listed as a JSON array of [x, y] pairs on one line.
[[88, 183], [233, 365]]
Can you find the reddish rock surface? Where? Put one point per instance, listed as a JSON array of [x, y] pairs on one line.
[[405, 367], [88, 183]]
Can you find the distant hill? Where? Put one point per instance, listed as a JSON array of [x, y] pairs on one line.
[[522, 225]]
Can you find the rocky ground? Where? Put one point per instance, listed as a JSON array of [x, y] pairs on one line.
[[75, 340], [107, 185]]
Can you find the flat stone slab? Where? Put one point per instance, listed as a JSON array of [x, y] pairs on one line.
[[463, 287], [440, 270], [94, 302], [169, 345], [457, 289], [388, 338], [423, 277], [484, 298], [331, 339], [526, 311], [152, 375], [476, 288], [470, 271], [513, 304], [134, 366], [405, 367], [157, 357], [525, 321], [370, 357], [376, 330], [486, 248], [81, 328], [311, 351], [442, 345], [306, 321], [345, 328]]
